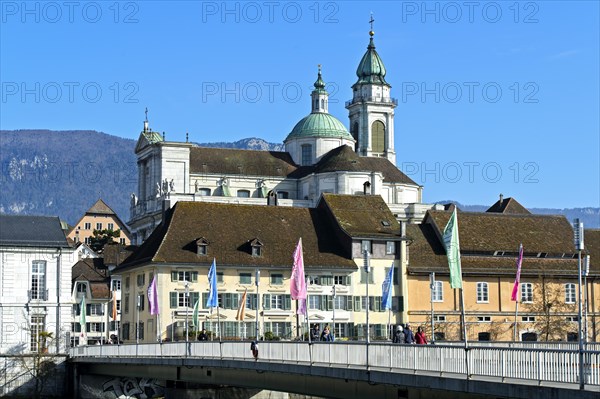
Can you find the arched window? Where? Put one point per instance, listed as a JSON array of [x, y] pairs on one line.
[[378, 136]]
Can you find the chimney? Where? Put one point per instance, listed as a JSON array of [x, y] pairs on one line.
[[366, 185], [402, 228], [501, 199]]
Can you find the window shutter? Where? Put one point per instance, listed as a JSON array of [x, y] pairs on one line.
[[87, 327], [357, 307], [266, 299], [287, 302], [194, 277], [253, 301], [349, 303], [401, 303], [329, 300], [323, 302], [204, 298], [174, 276], [348, 280], [173, 299], [87, 309], [235, 300], [227, 301]]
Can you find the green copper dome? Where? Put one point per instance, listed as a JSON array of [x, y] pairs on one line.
[[371, 68], [319, 124]]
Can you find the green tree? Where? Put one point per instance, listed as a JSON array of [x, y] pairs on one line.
[[103, 237]]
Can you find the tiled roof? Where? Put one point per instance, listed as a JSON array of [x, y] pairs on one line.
[[229, 228], [489, 232], [32, 231], [509, 206], [115, 253], [344, 158], [240, 162], [280, 164], [427, 254], [101, 208], [92, 270], [362, 215], [591, 239]]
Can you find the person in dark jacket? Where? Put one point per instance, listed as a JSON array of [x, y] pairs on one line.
[[203, 336], [254, 349], [409, 337], [398, 336]]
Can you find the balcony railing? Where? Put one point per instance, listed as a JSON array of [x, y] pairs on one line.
[[369, 99], [37, 295]]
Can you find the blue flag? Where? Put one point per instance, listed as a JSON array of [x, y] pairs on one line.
[[386, 288], [213, 300]]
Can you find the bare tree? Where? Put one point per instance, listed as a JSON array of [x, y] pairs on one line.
[[550, 310], [40, 363]]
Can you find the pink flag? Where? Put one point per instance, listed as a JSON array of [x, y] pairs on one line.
[[515, 290], [301, 307], [298, 281], [153, 297]]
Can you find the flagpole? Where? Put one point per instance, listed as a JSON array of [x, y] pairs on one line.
[[307, 319], [158, 329], [516, 316], [462, 316], [219, 322]]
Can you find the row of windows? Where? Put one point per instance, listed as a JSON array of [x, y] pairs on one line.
[[246, 279], [488, 319], [242, 193], [482, 292], [274, 301], [95, 309], [367, 245], [88, 226]]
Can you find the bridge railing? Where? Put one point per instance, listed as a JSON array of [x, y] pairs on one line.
[[550, 365]]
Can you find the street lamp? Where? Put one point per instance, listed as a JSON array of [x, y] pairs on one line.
[[137, 322], [257, 282], [579, 246], [334, 296], [586, 272], [187, 308], [431, 288]]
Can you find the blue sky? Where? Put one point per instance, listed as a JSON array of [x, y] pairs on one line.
[[494, 97]]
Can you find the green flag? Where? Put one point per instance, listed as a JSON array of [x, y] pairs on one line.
[[82, 322], [453, 251], [195, 322]]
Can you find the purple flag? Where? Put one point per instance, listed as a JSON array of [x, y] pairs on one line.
[[153, 297], [302, 307], [515, 290], [298, 281]]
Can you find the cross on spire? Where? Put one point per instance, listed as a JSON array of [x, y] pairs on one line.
[[146, 112], [371, 22]]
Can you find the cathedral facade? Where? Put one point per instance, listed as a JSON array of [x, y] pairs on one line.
[[321, 156]]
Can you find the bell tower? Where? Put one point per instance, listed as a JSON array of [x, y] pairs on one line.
[[371, 110]]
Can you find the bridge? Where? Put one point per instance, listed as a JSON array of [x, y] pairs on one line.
[[355, 369]]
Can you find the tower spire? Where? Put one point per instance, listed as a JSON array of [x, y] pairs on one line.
[[320, 97], [146, 129], [371, 32]]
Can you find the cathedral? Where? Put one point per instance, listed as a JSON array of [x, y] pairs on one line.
[[321, 156]]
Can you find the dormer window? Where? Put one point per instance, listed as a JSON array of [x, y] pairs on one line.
[[81, 288], [256, 246], [201, 246]]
